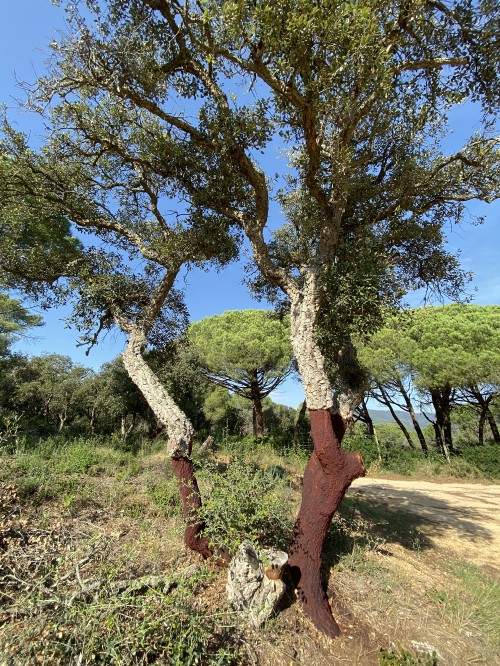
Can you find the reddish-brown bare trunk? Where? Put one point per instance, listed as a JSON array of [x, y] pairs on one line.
[[327, 477], [191, 503]]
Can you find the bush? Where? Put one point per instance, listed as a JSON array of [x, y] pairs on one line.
[[362, 443], [243, 501], [485, 458]]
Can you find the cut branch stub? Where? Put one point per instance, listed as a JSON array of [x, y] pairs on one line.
[[251, 590]]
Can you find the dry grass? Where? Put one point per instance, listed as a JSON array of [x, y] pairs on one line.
[[61, 531]]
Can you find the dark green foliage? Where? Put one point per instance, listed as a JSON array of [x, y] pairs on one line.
[[484, 458], [233, 346], [243, 501], [364, 444], [228, 414]]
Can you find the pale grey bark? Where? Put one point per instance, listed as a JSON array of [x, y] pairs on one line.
[[347, 402], [179, 429], [254, 586], [310, 359]]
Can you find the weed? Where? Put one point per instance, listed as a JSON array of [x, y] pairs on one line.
[[402, 657], [165, 495], [472, 605], [77, 458]]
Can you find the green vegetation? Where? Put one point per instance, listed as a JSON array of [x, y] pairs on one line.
[[92, 566], [154, 152], [245, 501], [443, 358], [247, 352], [403, 657]]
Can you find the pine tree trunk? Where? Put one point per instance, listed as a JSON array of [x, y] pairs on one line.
[[416, 424], [480, 429], [371, 428], [400, 423], [485, 404], [180, 435], [329, 471], [257, 416], [439, 438], [442, 407], [493, 426]]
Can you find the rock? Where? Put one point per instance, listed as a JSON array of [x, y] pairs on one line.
[[251, 590], [208, 444]]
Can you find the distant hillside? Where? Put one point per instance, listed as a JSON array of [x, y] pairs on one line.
[[381, 416]]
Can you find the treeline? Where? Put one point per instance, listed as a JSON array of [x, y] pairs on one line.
[[443, 362], [50, 394]]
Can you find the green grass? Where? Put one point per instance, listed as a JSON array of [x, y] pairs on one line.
[[471, 606], [402, 657]]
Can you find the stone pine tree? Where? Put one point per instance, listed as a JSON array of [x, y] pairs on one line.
[[449, 354], [15, 321], [457, 353], [246, 351], [357, 95]]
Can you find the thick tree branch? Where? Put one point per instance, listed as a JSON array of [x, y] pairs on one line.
[[432, 63]]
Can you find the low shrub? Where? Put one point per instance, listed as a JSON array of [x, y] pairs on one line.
[[484, 458], [362, 443], [244, 501]]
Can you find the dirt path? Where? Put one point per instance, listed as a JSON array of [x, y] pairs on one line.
[[462, 518]]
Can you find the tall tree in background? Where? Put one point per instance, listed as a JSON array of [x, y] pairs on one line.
[[388, 357], [358, 94], [449, 354], [457, 350], [49, 388], [245, 351], [15, 321]]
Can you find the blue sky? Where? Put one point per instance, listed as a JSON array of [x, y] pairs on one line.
[[27, 27]]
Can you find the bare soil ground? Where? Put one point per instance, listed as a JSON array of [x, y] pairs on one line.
[[462, 519]]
